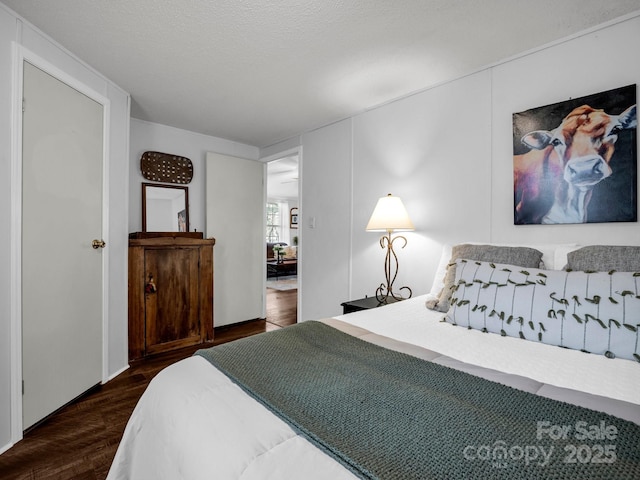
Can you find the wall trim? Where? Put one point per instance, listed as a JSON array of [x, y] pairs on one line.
[[115, 374], [6, 447]]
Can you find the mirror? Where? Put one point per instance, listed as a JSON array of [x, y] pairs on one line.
[[165, 208]]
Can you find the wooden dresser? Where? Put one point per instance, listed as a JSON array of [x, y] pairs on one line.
[[170, 291]]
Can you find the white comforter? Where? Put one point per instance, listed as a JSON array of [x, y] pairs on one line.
[[411, 322], [194, 423]]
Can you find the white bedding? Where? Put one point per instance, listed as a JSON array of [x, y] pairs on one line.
[[194, 423], [409, 321]]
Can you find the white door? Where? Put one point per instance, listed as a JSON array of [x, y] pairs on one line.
[[61, 272], [235, 218]]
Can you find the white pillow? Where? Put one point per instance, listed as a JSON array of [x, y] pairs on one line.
[[438, 279], [596, 312], [550, 255], [554, 257], [562, 253]]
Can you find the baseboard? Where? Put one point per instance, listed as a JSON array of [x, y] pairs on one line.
[[6, 447], [236, 324], [114, 375]]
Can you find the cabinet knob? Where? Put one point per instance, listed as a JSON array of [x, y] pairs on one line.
[[98, 244], [150, 287]]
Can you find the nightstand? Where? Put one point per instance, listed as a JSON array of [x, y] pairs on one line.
[[364, 304]]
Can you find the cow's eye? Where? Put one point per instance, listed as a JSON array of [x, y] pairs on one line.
[[555, 142]]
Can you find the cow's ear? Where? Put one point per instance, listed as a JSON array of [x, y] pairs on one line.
[[628, 118], [537, 139]]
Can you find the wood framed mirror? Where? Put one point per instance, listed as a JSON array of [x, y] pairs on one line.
[[165, 208]]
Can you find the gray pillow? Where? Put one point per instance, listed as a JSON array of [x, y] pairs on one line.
[[604, 258], [519, 256]]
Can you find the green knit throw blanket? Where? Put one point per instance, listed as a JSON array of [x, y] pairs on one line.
[[388, 415]]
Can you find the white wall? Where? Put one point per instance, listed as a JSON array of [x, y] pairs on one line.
[[14, 29], [289, 232], [589, 64], [422, 158], [147, 136], [447, 152], [325, 220]]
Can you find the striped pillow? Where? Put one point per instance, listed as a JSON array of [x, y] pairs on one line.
[[595, 312]]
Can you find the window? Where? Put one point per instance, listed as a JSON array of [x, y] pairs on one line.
[[273, 222]]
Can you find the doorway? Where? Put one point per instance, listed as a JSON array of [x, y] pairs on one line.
[[282, 240]]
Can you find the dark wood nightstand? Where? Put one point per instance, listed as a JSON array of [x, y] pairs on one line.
[[364, 304]]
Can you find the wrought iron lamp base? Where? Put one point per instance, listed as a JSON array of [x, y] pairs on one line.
[[385, 290]]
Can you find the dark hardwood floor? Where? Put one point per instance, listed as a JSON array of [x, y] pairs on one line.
[[79, 441]]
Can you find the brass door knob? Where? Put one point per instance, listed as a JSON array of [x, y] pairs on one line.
[[98, 244]]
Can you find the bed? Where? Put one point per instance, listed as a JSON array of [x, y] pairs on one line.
[[521, 409]]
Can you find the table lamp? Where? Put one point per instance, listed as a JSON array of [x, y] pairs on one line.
[[389, 216]]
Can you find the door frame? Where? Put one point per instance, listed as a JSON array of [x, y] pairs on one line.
[[300, 251], [21, 55]]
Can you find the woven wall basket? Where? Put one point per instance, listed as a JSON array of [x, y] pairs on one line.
[[167, 168]]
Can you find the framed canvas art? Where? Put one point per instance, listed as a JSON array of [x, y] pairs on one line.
[[576, 161]]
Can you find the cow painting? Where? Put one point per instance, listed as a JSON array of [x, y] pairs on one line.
[[555, 179]]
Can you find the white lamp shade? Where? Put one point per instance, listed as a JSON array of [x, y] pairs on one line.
[[389, 215]]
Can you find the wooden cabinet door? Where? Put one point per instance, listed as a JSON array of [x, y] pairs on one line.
[[172, 317], [170, 292]]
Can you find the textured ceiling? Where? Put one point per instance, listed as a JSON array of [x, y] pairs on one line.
[[261, 71]]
